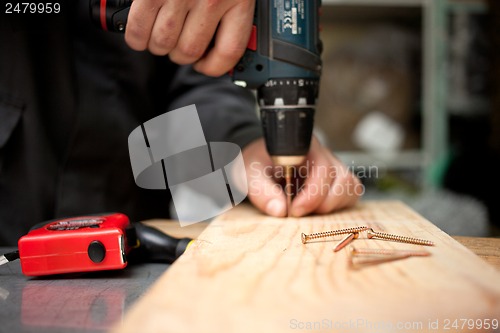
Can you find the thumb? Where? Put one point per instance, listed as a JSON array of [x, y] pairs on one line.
[[264, 192]]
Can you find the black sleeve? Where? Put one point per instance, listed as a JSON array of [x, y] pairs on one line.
[[227, 112]]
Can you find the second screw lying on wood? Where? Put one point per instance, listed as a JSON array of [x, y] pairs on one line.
[[305, 238], [396, 238]]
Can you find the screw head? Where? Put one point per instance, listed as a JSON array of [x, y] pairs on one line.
[[370, 233], [303, 236]]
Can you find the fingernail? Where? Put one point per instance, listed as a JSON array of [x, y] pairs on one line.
[[275, 207]]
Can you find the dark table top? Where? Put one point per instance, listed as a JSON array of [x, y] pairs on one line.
[[91, 302]]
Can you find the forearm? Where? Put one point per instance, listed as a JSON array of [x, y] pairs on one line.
[[227, 112]]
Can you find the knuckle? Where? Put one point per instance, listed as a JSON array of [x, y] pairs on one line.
[[161, 45], [212, 4], [171, 25], [136, 36], [158, 48], [232, 53], [190, 51], [154, 4], [163, 40]]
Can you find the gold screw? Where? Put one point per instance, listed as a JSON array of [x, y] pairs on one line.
[[306, 238], [396, 238], [346, 240]]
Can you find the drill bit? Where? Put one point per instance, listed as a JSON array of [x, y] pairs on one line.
[[288, 190]]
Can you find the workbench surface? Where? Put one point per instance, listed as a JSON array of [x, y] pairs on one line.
[[76, 303], [95, 302]]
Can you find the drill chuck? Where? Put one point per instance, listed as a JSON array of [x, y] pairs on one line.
[[287, 115]]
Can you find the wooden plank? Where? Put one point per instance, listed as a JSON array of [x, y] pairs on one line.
[[487, 248], [173, 229], [250, 273]]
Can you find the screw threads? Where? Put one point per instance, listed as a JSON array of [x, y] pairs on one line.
[[396, 238], [306, 238]]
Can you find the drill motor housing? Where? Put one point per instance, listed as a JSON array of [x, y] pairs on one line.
[[283, 62]]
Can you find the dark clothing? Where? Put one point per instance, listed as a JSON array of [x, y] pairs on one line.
[[70, 95]]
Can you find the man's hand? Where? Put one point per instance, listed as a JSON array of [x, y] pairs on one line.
[[328, 185], [183, 29]]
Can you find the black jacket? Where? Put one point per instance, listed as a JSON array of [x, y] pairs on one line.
[[70, 95]]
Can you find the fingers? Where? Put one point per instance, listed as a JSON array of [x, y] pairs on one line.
[[167, 28], [231, 41], [198, 30], [345, 191], [183, 30], [329, 185], [317, 183], [140, 23], [263, 192]]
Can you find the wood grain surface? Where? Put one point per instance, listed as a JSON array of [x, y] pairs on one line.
[[251, 273]]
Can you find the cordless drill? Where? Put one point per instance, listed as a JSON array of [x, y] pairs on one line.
[[282, 62]]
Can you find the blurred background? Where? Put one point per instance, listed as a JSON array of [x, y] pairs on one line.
[[410, 101]]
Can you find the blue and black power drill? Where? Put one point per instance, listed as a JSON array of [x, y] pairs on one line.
[[282, 62]]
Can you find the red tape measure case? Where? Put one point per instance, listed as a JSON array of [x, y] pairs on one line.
[[79, 244]]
